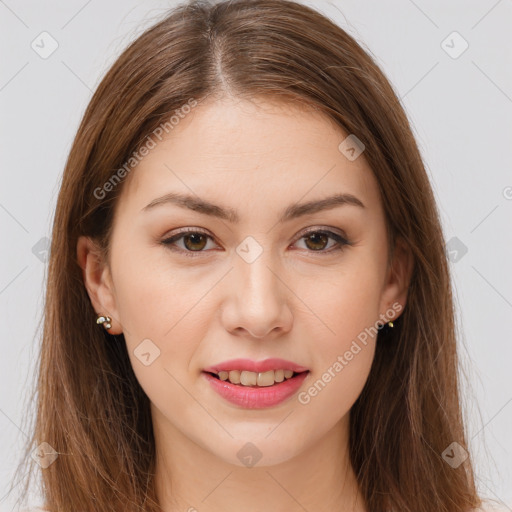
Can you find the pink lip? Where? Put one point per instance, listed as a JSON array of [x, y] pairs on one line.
[[255, 366], [256, 397]]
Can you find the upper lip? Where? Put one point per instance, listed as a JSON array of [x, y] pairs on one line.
[[255, 366]]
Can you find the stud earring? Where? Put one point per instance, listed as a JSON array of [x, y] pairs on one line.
[[105, 320], [388, 324]]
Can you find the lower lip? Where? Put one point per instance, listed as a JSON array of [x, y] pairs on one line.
[[256, 397]]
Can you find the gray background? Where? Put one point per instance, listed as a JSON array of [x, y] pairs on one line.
[[460, 107]]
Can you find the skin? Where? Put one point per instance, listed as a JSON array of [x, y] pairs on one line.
[[292, 302]]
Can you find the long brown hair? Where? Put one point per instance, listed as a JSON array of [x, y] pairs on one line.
[[91, 409]]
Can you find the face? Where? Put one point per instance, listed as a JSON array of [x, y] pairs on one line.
[[240, 270]]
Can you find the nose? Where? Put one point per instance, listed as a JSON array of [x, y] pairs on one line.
[[257, 303]]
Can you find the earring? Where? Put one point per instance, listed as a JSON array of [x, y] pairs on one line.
[[382, 326], [105, 320]]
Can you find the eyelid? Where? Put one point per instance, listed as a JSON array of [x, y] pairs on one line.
[[169, 240], [340, 238], [325, 230]]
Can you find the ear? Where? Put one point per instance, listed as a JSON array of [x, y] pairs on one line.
[[397, 281], [98, 281]]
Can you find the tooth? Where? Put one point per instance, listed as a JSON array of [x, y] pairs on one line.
[[279, 375], [234, 376], [266, 378], [248, 378]]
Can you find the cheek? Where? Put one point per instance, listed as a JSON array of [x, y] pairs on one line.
[[332, 391], [151, 295], [344, 337], [160, 326], [160, 315], [344, 300], [342, 358]]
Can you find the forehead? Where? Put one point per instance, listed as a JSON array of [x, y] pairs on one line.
[[254, 150]]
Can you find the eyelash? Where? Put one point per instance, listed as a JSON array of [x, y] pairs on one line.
[[341, 241]]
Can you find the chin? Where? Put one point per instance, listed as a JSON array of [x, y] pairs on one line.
[[259, 451]]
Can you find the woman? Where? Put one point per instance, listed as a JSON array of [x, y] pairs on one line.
[[248, 302]]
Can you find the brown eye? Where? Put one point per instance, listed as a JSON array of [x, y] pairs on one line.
[[191, 241], [316, 241], [195, 241]]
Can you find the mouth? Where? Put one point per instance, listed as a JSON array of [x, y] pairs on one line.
[[244, 378], [256, 384]]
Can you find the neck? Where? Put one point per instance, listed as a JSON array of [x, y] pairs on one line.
[[320, 478]]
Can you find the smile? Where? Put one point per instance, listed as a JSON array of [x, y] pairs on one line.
[[260, 379], [255, 384]]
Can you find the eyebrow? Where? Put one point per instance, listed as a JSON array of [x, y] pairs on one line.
[[293, 211]]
